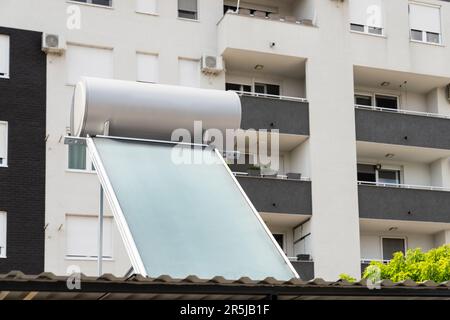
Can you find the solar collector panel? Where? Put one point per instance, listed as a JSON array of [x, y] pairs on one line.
[[184, 219]]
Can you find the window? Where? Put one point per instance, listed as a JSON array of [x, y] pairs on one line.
[[367, 173], [363, 100], [106, 3], [366, 16], [370, 173], [79, 159], [270, 89], [279, 238], [3, 144], [238, 87], [388, 102], [147, 68], [2, 234], [388, 176], [391, 246], [187, 9], [82, 237], [87, 61], [4, 56], [147, 6], [425, 23], [189, 72]]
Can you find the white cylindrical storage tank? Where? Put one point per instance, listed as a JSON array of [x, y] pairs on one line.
[[151, 111]]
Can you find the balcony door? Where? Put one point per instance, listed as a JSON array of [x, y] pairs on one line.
[[391, 246]]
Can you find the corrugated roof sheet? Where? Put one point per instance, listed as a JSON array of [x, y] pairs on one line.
[[16, 285]]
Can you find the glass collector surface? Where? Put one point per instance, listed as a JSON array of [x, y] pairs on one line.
[[188, 219]]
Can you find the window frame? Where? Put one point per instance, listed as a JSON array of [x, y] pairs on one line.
[[385, 167], [89, 164], [148, 13], [89, 258], [398, 174], [5, 232], [77, 45], [374, 101], [197, 18], [90, 4], [405, 242], [366, 30], [265, 84], [5, 164], [242, 86], [155, 55], [199, 70], [424, 32], [374, 95], [7, 74]]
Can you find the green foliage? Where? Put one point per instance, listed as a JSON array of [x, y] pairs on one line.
[[414, 265], [344, 276]]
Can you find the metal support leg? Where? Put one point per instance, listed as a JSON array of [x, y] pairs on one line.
[[100, 235]]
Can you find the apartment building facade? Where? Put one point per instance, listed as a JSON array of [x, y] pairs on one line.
[[357, 89]]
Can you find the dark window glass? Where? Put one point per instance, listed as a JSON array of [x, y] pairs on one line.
[[264, 88], [247, 88], [187, 14], [273, 89], [238, 87], [260, 88], [77, 157], [416, 35], [391, 246], [432, 37], [375, 30], [233, 86], [366, 173], [363, 100], [357, 27], [389, 176], [102, 2], [279, 238], [386, 102], [107, 3]]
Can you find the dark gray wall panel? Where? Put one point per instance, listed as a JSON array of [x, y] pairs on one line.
[[402, 129], [290, 117], [305, 269], [403, 204], [277, 195]]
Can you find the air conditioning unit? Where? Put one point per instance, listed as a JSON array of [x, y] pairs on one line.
[[53, 43], [212, 64]]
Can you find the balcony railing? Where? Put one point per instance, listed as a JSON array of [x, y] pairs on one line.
[[257, 14], [272, 96], [270, 176], [403, 111], [403, 186]]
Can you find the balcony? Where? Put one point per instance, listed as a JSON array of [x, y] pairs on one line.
[[403, 202], [288, 115], [403, 128], [278, 194], [305, 269], [268, 33], [286, 28]]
